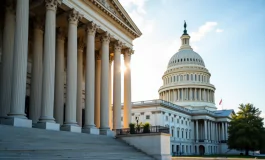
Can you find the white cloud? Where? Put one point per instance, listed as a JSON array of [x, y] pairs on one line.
[[219, 30], [202, 31]]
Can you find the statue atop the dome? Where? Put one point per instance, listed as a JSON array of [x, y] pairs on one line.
[[185, 26]]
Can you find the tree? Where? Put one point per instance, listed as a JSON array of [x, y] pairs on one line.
[[246, 130]]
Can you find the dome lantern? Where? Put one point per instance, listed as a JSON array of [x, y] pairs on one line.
[[185, 39]]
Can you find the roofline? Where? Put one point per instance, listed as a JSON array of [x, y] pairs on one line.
[[128, 17]]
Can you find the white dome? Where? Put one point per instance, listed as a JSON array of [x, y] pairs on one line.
[[185, 56]]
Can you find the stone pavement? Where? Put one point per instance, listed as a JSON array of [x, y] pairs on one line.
[[31, 143]]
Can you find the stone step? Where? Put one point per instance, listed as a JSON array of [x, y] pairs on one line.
[[31, 143]]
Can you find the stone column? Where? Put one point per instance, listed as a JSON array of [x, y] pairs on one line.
[[226, 131], [216, 131], [117, 89], [178, 94], [79, 98], [46, 120], [7, 60], [200, 93], [223, 131], [205, 129], [127, 88], [59, 78], [182, 94], [17, 108], [70, 123], [36, 73], [104, 85], [89, 126], [97, 89], [197, 130], [110, 92]]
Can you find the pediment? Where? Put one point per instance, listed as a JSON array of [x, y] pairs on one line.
[[116, 9]]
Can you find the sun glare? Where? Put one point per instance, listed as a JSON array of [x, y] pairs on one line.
[[123, 68]]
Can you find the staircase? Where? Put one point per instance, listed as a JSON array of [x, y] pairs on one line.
[[31, 143]]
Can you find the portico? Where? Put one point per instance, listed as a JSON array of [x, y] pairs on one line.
[[60, 56]]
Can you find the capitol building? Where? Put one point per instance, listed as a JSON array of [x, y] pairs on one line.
[[186, 105]]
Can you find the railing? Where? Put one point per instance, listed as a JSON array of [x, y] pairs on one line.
[[142, 130]]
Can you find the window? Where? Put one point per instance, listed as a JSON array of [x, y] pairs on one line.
[[182, 134], [187, 77], [186, 122], [181, 78], [191, 77], [147, 117], [181, 121], [172, 133], [178, 133], [186, 135], [166, 118], [178, 78], [177, 120], [172, 119], [121, 118], [195, 77]]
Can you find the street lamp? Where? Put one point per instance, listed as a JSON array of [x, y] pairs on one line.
[[137, 119]]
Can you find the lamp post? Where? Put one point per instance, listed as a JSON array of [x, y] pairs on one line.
[[137, 119]]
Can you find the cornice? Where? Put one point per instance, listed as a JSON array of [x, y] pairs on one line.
[[186, 85], [98, 4]]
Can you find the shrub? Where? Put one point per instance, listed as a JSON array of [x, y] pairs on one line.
[[146, 128], [132, 128]]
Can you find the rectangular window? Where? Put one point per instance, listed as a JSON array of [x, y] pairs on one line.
[[147, 117], [177, 120], [181, 121], [178, 134], [172, 119], [166, 118]]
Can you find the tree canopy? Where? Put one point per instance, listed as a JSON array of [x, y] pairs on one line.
[[246, 130]]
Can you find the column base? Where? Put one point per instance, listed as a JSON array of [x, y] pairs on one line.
[[17, 122], [71, 128], [90, 130], [106, 132], [47, 126]]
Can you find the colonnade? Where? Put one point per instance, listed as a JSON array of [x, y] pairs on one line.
[[188, 94], [47, 75], [210, 130]]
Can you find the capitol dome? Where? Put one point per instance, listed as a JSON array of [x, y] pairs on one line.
[[186, 82], [185, 56]]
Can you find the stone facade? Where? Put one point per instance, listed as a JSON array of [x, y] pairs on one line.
[[56, 59]]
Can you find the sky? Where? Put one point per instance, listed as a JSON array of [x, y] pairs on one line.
[[228, 34]]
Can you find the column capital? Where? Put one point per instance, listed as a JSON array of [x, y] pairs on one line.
[[128, 52], [52, 4], [81, 43], [118, 46], [91, 28], [105, 37], [60, 34], [74, 16]]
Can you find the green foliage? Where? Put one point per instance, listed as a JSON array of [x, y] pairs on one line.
[[146, 127], [246, 130], [132, 128]]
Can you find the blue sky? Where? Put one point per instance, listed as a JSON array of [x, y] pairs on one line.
[[228, 34]]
